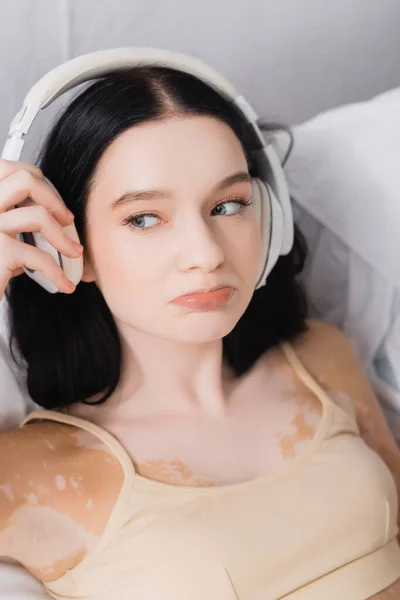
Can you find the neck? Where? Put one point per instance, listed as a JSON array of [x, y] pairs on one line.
[[163, 377]]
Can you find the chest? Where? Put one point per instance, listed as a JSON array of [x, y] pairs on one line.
[[270, 419]]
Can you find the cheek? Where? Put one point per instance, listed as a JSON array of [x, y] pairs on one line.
[[124, 272], [247, 251]]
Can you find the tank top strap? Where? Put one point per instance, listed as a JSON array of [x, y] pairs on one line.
[[120, 453], [340, 420]]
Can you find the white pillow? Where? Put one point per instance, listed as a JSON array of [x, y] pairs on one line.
[[344, 170], [16, 583], [343, 174]]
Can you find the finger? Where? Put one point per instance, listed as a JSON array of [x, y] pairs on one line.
[[16, 254], [37, 218], [8, 167], [17, 272], [19, 186]]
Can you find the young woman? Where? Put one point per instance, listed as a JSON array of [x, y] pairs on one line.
[[193, 444]]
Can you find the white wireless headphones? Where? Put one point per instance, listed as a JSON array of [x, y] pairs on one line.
[[270, 193]]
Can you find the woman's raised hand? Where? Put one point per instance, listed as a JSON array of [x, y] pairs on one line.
[[27, 204]]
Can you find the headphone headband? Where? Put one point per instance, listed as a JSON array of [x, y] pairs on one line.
[[98, 64]]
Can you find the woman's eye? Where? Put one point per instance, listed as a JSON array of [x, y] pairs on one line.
[[236, 206], [144, 221]]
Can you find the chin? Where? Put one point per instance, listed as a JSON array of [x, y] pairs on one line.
[[204, 327]]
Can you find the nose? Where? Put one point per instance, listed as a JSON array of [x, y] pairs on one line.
[[199, 248]]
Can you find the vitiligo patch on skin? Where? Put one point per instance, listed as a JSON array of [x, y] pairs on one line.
[[6, 489], [58, 499], [60, 482], [39, 529], [85, 439], [291, 444], [32, 499], [303, 424], [75, 484], [174, 472]]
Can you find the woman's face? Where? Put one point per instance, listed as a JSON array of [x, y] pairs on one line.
[[188, 233]]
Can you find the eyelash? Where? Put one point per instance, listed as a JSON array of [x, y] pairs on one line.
[[243, 202]]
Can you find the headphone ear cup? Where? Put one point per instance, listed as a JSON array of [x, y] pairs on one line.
[[277, 184], [270, 217]]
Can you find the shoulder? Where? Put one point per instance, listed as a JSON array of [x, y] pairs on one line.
[[329, 356], [53, 494], [327, 350], [325, 335]]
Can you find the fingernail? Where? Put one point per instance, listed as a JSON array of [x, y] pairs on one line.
[[78, 246]]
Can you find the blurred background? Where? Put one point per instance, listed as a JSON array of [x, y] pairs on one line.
[[290, 58]]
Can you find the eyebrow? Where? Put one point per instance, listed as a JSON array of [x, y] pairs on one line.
[[239, 177]]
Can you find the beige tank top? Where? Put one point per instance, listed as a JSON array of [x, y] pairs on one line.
[[322, 528]]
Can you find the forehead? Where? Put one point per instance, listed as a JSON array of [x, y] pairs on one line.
[[177, 150]]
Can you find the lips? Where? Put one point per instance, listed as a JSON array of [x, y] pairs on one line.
[[206, 299], [204, 291]]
